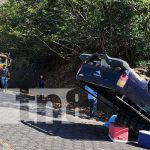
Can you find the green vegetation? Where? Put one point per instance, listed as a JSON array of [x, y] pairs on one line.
[[70, 27]]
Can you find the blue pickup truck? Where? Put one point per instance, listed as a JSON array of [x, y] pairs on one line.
[[114, 80]]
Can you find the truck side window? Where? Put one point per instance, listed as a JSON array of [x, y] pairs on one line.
[[117, 69]]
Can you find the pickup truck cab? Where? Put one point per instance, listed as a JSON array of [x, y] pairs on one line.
[[114, 76]]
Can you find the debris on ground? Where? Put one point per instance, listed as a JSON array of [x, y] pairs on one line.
[[72, 106], [143, 72]]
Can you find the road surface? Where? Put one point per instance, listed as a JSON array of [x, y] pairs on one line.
[[31, 126]]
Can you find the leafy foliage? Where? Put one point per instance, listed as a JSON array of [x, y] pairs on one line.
[[70, 27]]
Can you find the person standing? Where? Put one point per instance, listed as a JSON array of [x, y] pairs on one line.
[[41, 85], [92, 100], [4, 77]]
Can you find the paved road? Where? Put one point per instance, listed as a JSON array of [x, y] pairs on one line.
[[34, 128]]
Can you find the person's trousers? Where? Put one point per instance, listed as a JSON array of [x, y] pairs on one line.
[[93, 107], [4, 82]]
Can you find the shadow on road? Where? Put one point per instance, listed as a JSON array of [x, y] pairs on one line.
[[74, 131]]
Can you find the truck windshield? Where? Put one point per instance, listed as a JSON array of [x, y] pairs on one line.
[[2, 60]]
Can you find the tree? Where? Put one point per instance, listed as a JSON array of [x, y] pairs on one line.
[[70, 27]]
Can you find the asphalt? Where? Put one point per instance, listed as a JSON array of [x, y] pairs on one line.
[[32, 126]]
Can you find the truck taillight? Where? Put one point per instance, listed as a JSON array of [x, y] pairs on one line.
[[122, 80]]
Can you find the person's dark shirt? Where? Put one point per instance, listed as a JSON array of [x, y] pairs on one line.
[[41, 83]]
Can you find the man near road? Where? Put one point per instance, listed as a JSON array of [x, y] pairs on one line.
[[4, 77], [93, 101], [41, 85]]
